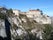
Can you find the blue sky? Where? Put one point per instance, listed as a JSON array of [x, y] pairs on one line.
[[24, 5]]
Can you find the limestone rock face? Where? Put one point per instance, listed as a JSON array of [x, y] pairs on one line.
[[2, 28], [35, 15], [24, 27]]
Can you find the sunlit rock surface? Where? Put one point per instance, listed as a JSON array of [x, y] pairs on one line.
[[22, 26], [2, 28]]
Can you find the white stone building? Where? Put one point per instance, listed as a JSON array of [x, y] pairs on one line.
[[33, 13]]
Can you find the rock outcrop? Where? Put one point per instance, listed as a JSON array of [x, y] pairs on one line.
[[24, 28]]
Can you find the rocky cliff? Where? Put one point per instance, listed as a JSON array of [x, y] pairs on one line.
[[22, 27]]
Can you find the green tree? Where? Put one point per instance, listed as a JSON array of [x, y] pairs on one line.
[[38, 9], [9, 12], [47, 31], [41, 12], [2, 16]]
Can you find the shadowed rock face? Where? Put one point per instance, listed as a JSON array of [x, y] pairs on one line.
[[7, 27], [5, 30]]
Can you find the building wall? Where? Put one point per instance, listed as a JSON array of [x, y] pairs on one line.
[[33, 13]]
